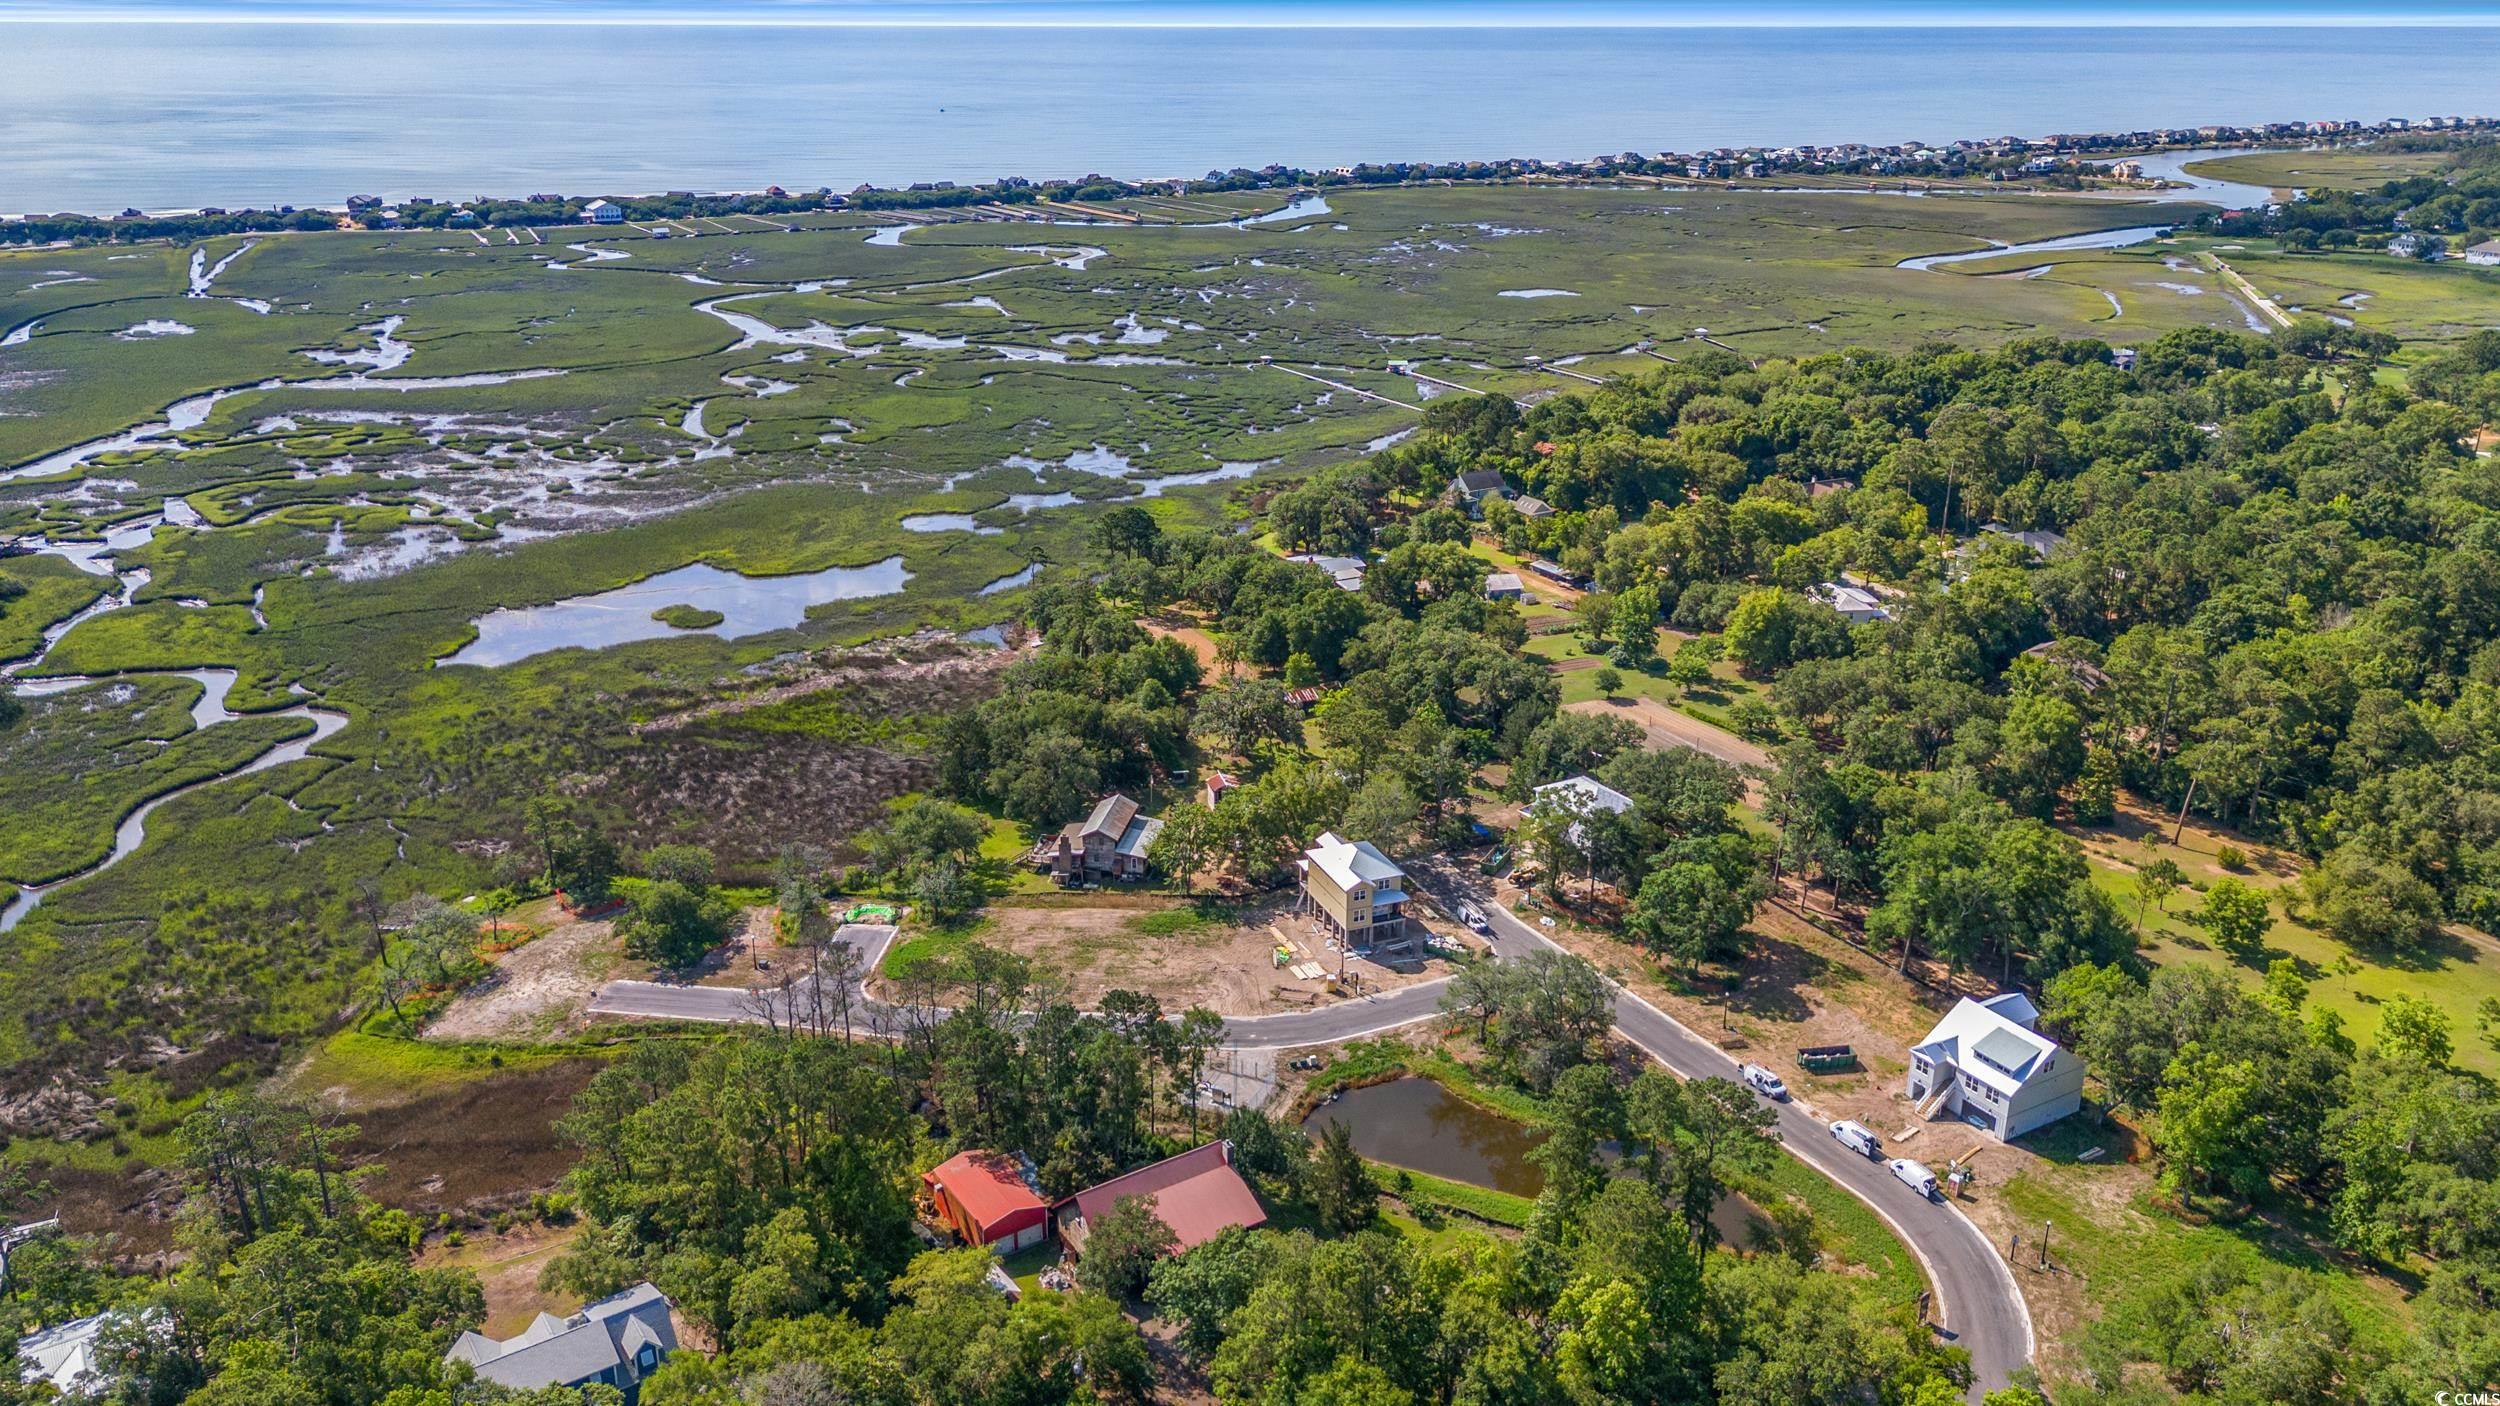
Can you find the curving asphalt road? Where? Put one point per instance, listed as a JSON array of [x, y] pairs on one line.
[[1976, 1302]]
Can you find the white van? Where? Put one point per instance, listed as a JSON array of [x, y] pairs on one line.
[[1763, 1081], [1858, 1138], [1915, 1176]]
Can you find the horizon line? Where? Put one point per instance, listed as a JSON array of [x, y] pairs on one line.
[[627, 19]]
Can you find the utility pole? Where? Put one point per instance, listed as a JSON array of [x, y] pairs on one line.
[[2044, 1244]]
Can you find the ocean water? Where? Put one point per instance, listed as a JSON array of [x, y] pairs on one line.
[[94, 117]]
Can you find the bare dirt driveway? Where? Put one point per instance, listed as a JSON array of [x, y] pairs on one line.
[[539, 989], [1665, 727]]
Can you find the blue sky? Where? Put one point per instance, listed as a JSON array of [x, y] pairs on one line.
[[1428, 13]]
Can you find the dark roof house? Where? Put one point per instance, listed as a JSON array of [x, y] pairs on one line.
[[1111, 839], [1470, 489]]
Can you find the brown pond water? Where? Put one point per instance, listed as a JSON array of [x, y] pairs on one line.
[[1416, 1124]]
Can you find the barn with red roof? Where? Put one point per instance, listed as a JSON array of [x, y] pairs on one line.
[[984, 1197], [1197, 1193]]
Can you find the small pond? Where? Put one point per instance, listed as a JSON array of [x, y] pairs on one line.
[[1417, 1124], [1009, 583], [949, 522], [748, 605]]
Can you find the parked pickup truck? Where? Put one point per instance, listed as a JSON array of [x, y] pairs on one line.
[[1824, 1059]]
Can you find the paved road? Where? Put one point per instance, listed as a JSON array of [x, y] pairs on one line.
[[729, 1005], [1976, 1299], [732, 1005]]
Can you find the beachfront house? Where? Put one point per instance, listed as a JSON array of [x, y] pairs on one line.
[[1358, 891], [1985, 1064], [617, 1342], [1110, 842], [988, 1199], [602, 212], [1197, 1194]]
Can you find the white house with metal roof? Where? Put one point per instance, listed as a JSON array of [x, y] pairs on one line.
[[1581, 796], [1347, 572], [619, 1340], [1986, 1065], [1856, 604], [64, 1356]]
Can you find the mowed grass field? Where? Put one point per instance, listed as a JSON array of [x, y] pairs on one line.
[[2457, 974]]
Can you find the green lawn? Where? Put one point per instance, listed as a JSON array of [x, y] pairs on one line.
[[2120, 1246], [2457, 976], [928, 943]]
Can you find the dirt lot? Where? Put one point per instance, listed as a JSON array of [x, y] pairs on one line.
[[752, 957], [1106, 941], [1199, 641], [1666, 727], [538, 990]]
